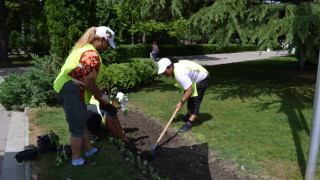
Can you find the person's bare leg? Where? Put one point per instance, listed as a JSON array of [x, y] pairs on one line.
[[117, 125], [86, 142], [75, 143], [115, 128], [193, 117]]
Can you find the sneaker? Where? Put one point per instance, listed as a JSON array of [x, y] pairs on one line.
[[87, 163], [93, 137], [98, 150], [185, 128], [185, 118]]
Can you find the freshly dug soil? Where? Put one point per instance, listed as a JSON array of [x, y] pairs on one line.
[[176, 156]]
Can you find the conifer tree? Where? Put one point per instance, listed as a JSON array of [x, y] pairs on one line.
[[265, 24], [67, 20]]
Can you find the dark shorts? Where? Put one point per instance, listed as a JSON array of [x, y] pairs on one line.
[[94, 118], [75, 109], [93, 109], [194, 102]]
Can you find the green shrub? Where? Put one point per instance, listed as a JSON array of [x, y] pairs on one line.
[[118, 75], [33, 88], [124, 52], [13, 92], [146, 70], [126, 76]]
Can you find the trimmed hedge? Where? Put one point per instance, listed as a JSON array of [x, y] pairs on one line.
[[129, 75], [125, 52]]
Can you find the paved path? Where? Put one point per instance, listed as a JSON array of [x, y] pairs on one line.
[[217, 59], [9, 137], [7, 131]]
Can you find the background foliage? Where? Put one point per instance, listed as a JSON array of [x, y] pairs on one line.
[[263, 23], [224, 26], [33, 88], [66, 22], [27, 30]]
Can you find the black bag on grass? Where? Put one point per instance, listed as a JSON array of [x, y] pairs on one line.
[[45, 144], [26, 155]]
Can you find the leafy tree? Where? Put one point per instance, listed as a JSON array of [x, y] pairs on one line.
[[298, 25], [174, 17], [264, 24], [110, 13], [27, 29], [67, 20], [3, 36], [22, 30]]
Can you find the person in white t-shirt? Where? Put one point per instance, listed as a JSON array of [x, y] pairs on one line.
[[193, 79]]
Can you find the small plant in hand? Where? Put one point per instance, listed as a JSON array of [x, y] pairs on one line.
[[119, 100]]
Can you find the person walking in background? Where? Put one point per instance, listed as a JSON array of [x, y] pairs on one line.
[[77, 82], [155, 50], [193, 79]]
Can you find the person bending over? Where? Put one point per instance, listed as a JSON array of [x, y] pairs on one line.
[[193, 79]]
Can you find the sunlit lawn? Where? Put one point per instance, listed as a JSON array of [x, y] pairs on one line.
[[110, 163], [17, 61], [257, 114]]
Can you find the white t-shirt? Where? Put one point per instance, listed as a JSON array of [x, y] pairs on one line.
[[186, 77]]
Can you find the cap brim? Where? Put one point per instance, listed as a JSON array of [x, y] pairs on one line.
[[162, 70], [112, 44]]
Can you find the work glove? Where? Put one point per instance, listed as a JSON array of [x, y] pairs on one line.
[[109, 108], [105, 105]]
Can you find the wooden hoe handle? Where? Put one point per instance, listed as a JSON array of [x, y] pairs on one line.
[[174, 114]]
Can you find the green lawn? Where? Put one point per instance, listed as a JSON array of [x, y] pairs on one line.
[[110, 163], [257, 113], [17, 61]]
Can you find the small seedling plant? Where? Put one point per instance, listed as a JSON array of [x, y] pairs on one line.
[[61, 156], [129, 157], [119, 100]]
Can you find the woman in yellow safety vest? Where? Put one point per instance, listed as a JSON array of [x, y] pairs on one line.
[[193, 80], [76, 84]]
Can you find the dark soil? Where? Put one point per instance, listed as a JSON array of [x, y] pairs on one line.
[[176, 156]]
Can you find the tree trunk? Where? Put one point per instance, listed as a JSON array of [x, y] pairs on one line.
[[144, 37], [301, 57], [132, 36], [3, 38]]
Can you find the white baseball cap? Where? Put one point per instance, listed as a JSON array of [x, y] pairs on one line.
[[107, 33], [163, 64]]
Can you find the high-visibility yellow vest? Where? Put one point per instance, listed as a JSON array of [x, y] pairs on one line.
[[71, 63], [185, 64]]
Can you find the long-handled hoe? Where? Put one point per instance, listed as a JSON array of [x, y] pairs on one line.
[[159, 139]]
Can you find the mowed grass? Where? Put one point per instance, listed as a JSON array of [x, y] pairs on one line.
[[17, 61], [257, 114], [110, 163]]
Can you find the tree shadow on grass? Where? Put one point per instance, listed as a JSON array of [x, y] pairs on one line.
[[278, 77], [294, 88], [201, 118]]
